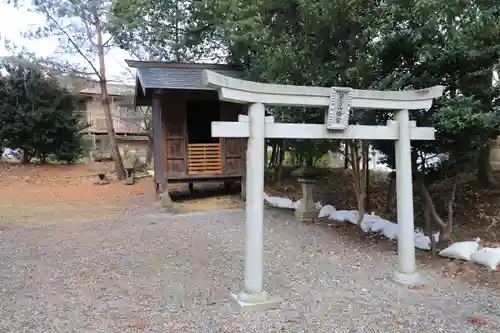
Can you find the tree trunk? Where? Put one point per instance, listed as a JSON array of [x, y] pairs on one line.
[[367, 178], [115, 153], [391, 190], [357, 163], [481, 89], [346, 155], [272, 159], [445, 226], [428, 229], [310, 161], [26, 157], [149, 154], [279, 164], [277, 154], [484, 171]]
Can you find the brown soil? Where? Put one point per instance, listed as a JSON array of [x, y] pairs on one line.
[[40, 183], [35, 195], [49, 194]]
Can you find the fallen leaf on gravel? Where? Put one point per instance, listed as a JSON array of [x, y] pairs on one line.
[[417, 286], [84, 274], [478, 320], [138, 323], [272, 314]]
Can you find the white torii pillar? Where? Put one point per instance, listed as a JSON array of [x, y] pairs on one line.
[[339, 101], [253, 289]]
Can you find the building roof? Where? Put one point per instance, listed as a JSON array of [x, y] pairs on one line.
[[184, 76], [114, 89], [132, 138], [177, 78], [85, 86]]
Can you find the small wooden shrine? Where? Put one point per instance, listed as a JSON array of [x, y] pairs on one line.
[[182, 112]]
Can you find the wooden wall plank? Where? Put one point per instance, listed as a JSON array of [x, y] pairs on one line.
[[234, 149], [175, 133]]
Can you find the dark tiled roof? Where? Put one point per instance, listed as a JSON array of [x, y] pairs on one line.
[[178, 78], [161, 75]]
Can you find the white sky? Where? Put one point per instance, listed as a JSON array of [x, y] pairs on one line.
[[15, 21]]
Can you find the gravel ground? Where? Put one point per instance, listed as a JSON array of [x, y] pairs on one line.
[[160, 273]]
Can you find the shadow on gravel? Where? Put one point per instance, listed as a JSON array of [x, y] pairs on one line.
[[203, 191], [206, 197]]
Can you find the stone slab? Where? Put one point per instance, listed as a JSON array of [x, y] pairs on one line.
[[270, 304], [305, 214], [408, 279]]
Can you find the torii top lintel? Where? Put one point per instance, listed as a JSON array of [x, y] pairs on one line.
[[242, 91]]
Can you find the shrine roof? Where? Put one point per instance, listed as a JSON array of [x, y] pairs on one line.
[[184, 76]]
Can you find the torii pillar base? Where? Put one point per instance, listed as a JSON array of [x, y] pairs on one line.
[[407, 279], [259, 302]]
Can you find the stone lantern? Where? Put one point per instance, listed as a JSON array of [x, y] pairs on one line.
[[129, 166], [306, 176]]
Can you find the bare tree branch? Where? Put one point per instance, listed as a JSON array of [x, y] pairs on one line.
[[88, 30], [105, 44], [77, 48], [81, 11], [129, 71], [451, 202], [429, 205]]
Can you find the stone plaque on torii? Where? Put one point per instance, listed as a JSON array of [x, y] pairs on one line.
[[339, 101]]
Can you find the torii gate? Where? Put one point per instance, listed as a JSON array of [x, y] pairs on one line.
[[339, 101]]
